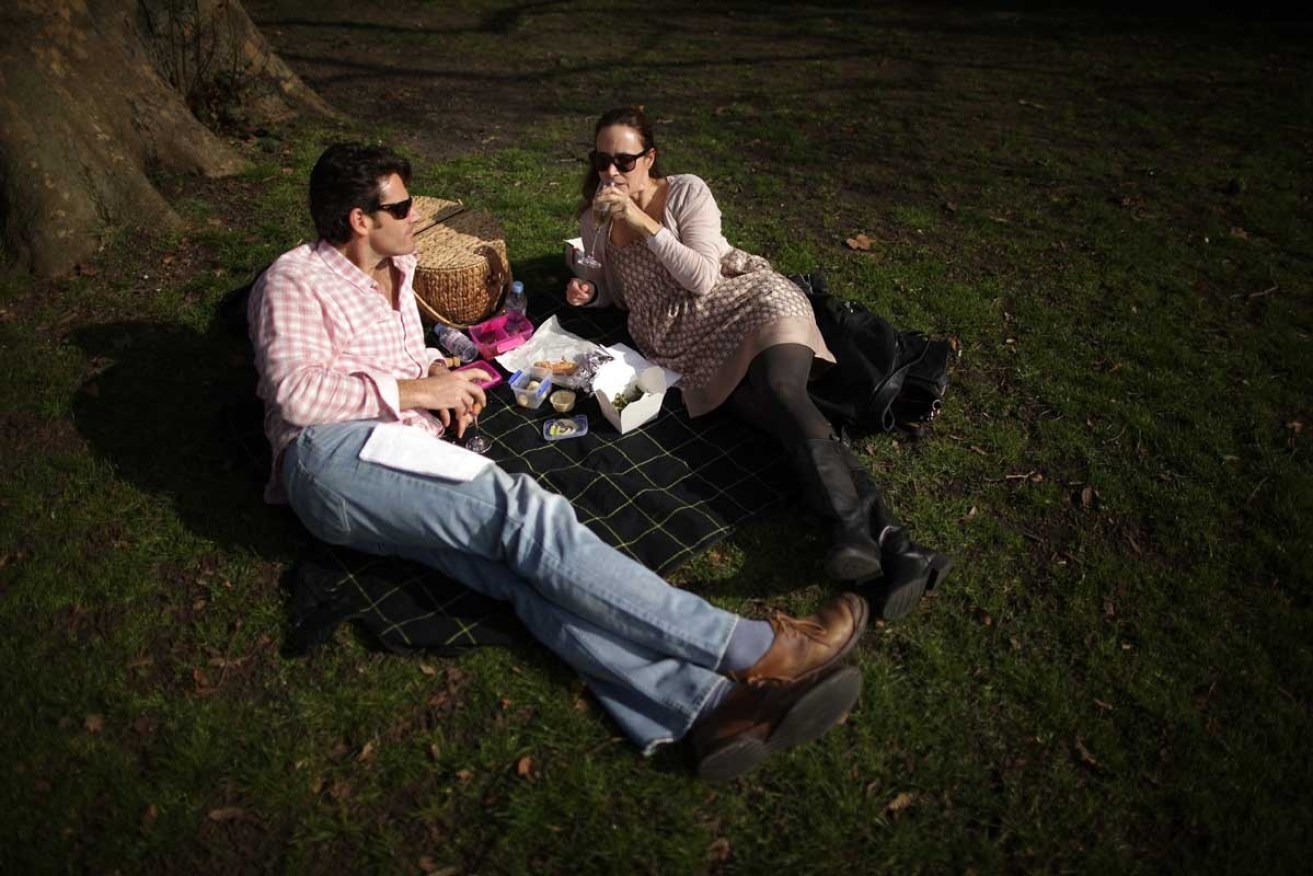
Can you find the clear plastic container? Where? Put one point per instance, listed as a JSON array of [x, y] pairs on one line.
[[560, 428], [531, 385]]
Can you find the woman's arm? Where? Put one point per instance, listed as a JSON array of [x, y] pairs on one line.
[[692, 258]]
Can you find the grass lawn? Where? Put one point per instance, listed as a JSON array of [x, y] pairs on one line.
[[1109, 213]]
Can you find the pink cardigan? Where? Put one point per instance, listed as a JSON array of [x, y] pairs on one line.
[[690, 244]]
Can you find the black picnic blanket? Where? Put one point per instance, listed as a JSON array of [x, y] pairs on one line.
[[661, 494]]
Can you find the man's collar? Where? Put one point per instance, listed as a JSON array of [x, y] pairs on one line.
[[343, 266]]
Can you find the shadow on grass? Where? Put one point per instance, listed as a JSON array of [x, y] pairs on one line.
[[176, 414]]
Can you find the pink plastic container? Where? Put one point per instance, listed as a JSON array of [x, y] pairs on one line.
[[488, 375], [501, 333]]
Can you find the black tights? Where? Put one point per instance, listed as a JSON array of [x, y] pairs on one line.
[[773, 396]]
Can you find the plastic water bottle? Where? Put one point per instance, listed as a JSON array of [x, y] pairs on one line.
[[516, 301], [455, 342]]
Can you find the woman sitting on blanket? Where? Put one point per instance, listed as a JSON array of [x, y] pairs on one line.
[[739, 333]]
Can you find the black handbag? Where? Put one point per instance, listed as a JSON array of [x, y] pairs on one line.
[[884, 379]]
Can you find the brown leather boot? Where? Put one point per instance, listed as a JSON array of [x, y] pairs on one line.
[[756, 720], [806, 646]]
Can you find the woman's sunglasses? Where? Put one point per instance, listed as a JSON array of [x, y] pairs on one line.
[[399, 210], [622, 161]]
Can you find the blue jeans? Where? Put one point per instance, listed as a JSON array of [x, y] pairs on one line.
[[648, 650]]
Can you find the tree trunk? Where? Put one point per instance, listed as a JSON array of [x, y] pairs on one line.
[[94, 99]]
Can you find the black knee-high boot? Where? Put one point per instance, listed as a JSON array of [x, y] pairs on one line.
[[827, 482], [909, 569]]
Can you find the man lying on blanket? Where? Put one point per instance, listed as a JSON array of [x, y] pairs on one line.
[[340, 351]]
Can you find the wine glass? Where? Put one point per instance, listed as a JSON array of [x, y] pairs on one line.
[[473, 440], [601, 222]]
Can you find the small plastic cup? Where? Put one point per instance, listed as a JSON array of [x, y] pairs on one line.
[[562, 401]]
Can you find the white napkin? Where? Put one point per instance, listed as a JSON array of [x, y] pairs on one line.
[[407, 448], [549, 341]]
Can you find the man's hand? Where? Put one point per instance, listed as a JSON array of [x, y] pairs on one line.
[[580, 292], [454, 396]]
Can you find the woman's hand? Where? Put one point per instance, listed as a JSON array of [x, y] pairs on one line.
[[620, 207], [579, 292]]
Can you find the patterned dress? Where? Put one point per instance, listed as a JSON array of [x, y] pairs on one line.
[[710, 339]]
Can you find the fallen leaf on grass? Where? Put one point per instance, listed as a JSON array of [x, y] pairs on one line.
[[1107, 707], [227, 813], [464, 775], [1239, 233], [94, 723], [900, 802], [1087, 496], [366, 753], [719, 850], [860, 242], [950, 206], [524, 767], [1084, 753], [427, 669]]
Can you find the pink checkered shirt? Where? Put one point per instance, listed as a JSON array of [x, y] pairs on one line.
[[329, 349]]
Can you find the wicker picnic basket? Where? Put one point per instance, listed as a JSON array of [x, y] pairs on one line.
[[463, 270]]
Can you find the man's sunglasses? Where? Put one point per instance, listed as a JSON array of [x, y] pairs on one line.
[[399, 210], [622, 161]]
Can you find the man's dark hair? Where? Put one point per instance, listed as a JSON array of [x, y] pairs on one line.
[[346, 176]]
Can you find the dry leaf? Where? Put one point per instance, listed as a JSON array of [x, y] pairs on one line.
[[900, 802], [524, 767], [367, 752], [227, 813], [464, 775], [1239, 233], [719, 850], [427, 669], [1084, 753], [427, 864], [1087, 496], [1107, 707], [94, 723], [950, 206], [860, 242]]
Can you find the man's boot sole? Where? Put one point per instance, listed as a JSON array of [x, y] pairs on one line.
[[826, 704]]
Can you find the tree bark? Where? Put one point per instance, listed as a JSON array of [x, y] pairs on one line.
[[87, 115]]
